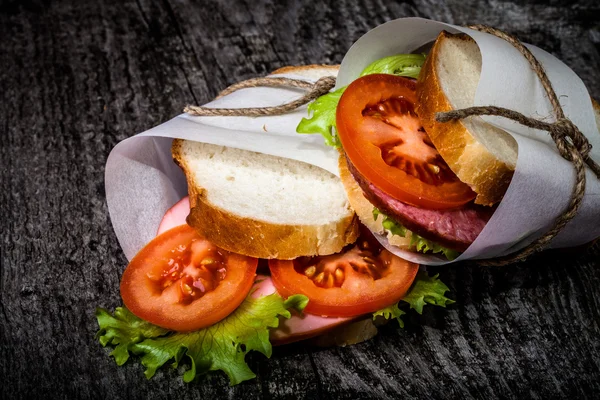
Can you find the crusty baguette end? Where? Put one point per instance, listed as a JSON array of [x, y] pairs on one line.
[[314, 71], [482, 156]]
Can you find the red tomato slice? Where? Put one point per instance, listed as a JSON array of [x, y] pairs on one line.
[[362, 279], [383, 138], [182, 282]]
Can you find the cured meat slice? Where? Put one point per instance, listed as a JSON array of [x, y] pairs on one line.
[[455, 228]]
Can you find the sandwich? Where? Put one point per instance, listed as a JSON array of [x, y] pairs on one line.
[[425, 186], [270, 251], [264, 251]]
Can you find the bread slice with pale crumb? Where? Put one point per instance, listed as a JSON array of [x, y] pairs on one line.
[[265, 206], [482, 156]]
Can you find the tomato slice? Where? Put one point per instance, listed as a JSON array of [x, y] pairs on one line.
[[385, 141], [362, 279], [182, 282]]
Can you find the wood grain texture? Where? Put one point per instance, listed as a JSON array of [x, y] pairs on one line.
[[77, 77]]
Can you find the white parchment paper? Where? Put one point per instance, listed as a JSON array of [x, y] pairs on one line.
[[142, 182]]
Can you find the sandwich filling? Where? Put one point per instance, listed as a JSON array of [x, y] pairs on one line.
[[393, 161], [363, 283], [454, 228]]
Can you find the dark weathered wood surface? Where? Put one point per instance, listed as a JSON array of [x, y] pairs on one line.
[[76, 77]]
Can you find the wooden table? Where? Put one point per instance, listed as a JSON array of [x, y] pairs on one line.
[[77, 77]]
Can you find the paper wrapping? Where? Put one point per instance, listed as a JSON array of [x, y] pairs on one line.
[[142, 182]]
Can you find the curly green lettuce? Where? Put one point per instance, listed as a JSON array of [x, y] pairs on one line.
[[424, 290], [391, 312], [322, 120], [401, 64], [322, 111], [427, 290], [417, 243], [425, 246], [222, 346]]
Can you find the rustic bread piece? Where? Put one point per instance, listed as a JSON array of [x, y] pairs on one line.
[[363, 207], [313, 71], [265, 206], [345, 335], [481, 155]]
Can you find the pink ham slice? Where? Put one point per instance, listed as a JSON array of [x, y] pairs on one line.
[[298, 327], [175, 215]]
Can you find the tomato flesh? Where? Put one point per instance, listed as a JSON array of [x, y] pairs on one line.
[[363, 278], [385, 141], [182, 282]]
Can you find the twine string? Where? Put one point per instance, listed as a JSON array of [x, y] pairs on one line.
[[313, 91], [562, 131]]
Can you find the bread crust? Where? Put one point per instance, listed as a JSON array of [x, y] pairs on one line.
[[257, 238], [488, 176], [596, 108], [294, 69]]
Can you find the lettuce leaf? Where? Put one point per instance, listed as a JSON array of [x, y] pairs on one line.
[[222, 346], [391, 312], [123, 330], [417, 243], [426, 246], [322, 120], [401, 64], [427, 290], [322, 111], [424, 290]]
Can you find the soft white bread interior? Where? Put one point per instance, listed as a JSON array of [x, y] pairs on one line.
[[363, 207], [265, 206], [481, 155]]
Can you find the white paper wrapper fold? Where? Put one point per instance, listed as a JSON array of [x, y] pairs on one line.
[[142, 182]]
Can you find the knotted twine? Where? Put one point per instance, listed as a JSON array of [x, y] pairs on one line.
[[572, 145]]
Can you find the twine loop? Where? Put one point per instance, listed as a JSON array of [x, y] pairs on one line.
[[314, 90], [564, 132]]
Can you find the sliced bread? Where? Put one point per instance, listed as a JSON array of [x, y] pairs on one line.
[[265, 206], [481, 155]]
